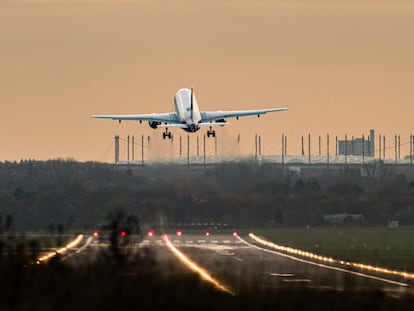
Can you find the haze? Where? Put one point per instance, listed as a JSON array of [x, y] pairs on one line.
[[340, 66]]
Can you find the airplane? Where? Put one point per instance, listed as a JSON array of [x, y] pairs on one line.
[[187, 115]]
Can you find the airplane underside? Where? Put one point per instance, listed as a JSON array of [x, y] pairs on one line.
[[210, 132]]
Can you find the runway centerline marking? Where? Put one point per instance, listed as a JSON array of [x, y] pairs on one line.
[[324, 265]]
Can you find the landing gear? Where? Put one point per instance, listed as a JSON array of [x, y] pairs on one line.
[[166, 134], [211, 132]]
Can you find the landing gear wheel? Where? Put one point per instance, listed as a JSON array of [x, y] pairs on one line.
[[211, 132], [166, 134]]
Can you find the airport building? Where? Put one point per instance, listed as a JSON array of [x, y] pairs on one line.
[[358, 146]]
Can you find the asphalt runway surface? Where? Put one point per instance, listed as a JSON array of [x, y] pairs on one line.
[[236, 261], [240, 259]]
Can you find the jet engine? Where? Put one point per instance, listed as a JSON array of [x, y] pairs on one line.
[[154, 124]]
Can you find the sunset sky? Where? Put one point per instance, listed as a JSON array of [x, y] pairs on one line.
[[339, 66]]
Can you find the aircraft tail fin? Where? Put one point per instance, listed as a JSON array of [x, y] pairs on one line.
[[192, 106]]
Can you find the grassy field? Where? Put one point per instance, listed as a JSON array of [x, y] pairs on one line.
[[391, 248]]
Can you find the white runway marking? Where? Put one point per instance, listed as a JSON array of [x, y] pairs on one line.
[[226, 253], [283, 275], [216, 247]]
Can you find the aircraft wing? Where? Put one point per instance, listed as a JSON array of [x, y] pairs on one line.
[[207, 116], [169, 117]]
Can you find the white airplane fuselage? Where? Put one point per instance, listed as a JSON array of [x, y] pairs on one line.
[[188, 115]]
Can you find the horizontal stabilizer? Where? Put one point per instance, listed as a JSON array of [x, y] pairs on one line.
[[212, 124], [173, 125], [183, 126]]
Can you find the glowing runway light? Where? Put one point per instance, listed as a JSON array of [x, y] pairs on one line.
[[315, 257], [194, 267], [62, 250]]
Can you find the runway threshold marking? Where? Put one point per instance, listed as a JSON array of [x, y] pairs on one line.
[[194, 267], [324, 265]]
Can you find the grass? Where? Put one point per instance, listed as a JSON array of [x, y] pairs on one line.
[[391, 248]]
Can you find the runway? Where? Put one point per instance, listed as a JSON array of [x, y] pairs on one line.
[[237, 261]]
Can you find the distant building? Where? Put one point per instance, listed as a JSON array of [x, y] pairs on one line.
[[393, 224], [358, 146]]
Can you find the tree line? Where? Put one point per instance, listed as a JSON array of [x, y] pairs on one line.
[[56, 194]]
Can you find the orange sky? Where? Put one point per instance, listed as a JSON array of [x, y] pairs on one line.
[[340, 68]]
